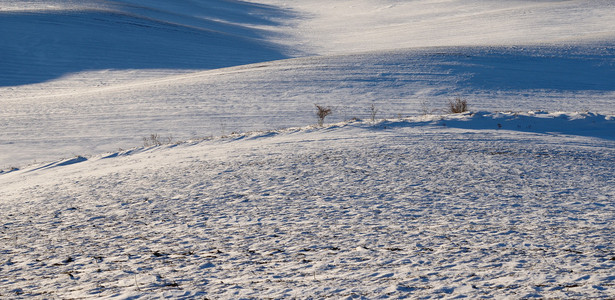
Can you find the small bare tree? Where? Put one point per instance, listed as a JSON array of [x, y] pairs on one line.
[[458, 106], [372, 112], [322, 113]]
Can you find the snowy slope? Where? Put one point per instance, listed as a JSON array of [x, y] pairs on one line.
[[45, 43], [509, 201], [127, 68], [52, 120], [424, 207], [342, 26]]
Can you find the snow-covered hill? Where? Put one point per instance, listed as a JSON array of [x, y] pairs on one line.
[[45, 40], [424, 207], [72, 117], [342, 26], [129, 68], [507, 201]]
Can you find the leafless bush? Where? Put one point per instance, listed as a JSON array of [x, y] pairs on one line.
[[156, 140], [372, 112], [426, 109], [322, 113], [458, 106]]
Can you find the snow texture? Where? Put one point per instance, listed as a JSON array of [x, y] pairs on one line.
[[233, 195], [423, 207], [45, 121]]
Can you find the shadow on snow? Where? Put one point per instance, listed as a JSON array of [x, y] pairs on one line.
[[40, 46], [579, 124]]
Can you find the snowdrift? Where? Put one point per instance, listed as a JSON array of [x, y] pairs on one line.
[[582, 124]]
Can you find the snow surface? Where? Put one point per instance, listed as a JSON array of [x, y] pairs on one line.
[[98, 35], [45, 121], [513, 200], [422, 207], [342, 26], [84, 77]]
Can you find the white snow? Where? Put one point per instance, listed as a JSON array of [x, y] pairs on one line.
[[511, 200], [46, 121], [342, 26], [422, 207]]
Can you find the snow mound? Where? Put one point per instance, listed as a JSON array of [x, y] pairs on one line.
[[581, 123]]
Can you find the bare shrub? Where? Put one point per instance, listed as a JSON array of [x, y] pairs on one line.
[[426, 109], [155, 139], [322, 113], [372, 112], [458, 106]]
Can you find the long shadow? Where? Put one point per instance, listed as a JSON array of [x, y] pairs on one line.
[[584, 124], [587, 125], [573, 68], [41, 46]]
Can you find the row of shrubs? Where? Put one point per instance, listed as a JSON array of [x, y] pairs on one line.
[[456, 106]]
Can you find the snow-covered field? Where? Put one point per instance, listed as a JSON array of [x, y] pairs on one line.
[[508, 201], [420, 207]]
